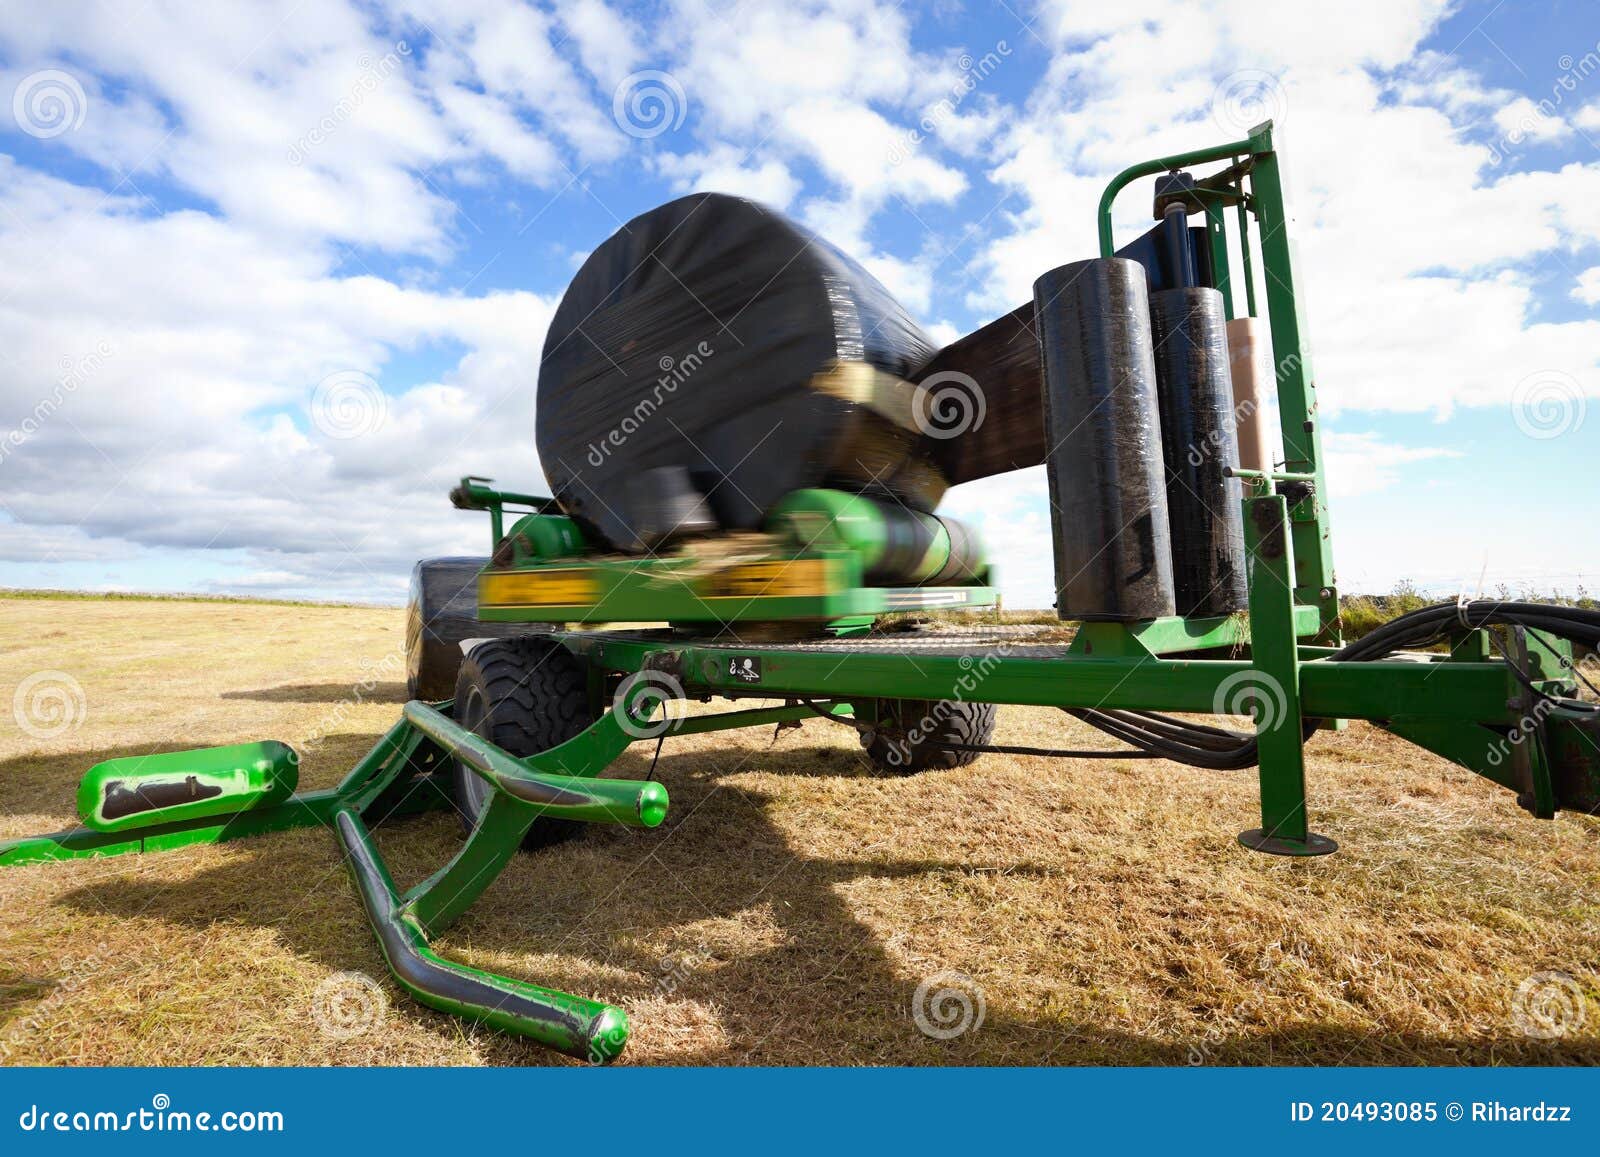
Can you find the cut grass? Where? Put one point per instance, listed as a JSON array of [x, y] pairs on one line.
[[793, 902], [166, 597]]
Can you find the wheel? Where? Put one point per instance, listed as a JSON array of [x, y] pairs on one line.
[[441, 614], [523, 695], [908, 732]]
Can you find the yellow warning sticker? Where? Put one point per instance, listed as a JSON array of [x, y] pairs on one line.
[[569, 587]]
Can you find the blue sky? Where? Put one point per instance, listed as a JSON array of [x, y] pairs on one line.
[[272, 276]]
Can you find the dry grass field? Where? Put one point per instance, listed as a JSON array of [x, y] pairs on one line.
[[793, 902]]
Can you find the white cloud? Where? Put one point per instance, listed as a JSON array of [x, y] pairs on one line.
[[183, 415], [607, 43], [22, 543], [726, 169], [836, 84], [1364, 462], [1417, 256], [241, 152], [1011, 514], [1522, 120], [1587, 289]]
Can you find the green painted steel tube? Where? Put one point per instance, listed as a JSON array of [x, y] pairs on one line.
[[586, 1029], [1333, 690], [1251, 144], [570, 797], [756, 717], [302, 811], [139, 790]]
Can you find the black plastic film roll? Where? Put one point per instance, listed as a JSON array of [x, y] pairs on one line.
[[1199, 442], [1113, 553]]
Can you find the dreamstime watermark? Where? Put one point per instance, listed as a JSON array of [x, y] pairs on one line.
[[948, 1004], [49, 704], [948, 404], [371, 75], [674, 372], [973, 73], [348, 1004], [349, 404], [160, 1117], [74, 372], [1244, 99], [1547, 404], [640, 695], [1548, 1006], [1252, 693], [1222, 439], [676, 970], [1527, 727], [373, 675], [648, 103], [48, 103], [901, 749], [1539, 121]]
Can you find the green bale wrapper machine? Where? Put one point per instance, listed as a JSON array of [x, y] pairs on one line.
[[783, 602]]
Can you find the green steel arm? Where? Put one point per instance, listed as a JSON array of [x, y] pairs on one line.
[[586, 1029], [574, 796], [1254, 143], [474, 493]]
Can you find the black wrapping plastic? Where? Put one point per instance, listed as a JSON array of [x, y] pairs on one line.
[[1199, 442], [1112, 546], [1002, 361], [694, 337], [665, 507]]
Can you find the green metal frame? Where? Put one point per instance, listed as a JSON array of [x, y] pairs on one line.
[[1462, 705], [1253, 181], [679, 590]]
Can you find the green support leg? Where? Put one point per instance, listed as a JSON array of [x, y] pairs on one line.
[[436, 902], [586, 1029], [1272, 688]]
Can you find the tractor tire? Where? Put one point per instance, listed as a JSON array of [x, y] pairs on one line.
[[909, 732], [525, 696], [441, 614]]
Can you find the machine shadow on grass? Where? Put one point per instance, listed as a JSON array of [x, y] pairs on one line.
[[391, 691], [614, 914]]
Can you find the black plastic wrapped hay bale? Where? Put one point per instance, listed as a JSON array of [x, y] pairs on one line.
[[1113, 554], [1199, 443], [715, 336], [441, 614]]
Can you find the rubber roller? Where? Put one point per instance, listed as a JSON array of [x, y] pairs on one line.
[[898, 547]]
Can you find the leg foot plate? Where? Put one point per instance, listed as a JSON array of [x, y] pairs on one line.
[[1314, 845]]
